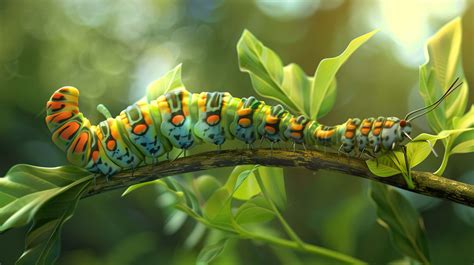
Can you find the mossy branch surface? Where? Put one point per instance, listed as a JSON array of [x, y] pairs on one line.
[[425, 183]]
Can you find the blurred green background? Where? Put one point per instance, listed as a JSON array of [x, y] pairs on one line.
[[111, 50]]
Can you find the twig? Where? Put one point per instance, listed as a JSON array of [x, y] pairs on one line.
[[425, 183]]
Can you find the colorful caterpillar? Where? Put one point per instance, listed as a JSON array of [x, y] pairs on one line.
[[149, 129]]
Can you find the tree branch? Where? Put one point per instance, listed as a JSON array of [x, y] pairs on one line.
[[425, 183]]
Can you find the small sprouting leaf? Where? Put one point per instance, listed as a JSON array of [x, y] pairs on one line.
[[323, 87], [141, 185], [210, 252], [464, 147], [383, 167], [402, 221], [313, 97], [168, 82], [255, 210], [266, 71], [443, 65], [25, 189], [417, 151], [466, 121], [273, 185], [246, 186]]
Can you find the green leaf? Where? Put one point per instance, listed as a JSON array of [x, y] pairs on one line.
[[205, 186], [43, 238], [141, 185], [443, 65], [248, 185], [322, 93], [273, 185], [313, 97], [402, 221], [255, 210], [210, 252], [168, 82], [466, 121], [383, 166], [218, 207], [464, 147], [417, 151], [25, 189], [266, 71]]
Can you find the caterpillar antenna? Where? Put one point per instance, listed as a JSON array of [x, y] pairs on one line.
[[434, 105]]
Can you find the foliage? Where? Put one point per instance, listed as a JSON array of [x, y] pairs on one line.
[[311, 96], [443, 66], [254, 196], [45, 197], [454, 127], [402, 221], [168, 82]]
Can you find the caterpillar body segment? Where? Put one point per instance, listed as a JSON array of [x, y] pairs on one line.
[[149, 129]]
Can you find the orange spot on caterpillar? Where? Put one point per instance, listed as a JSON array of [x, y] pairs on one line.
[[55, 105], [270, 129], [296, 135], [111, 144], [243, 112], [324, 134], [81, 142], [271, 119], [296, 127], [351, 127], [59, 117], [177, 120], [245, 122], [95, 156], [388, 124], [365, 130], [349, 134], [213, 119], [376, 131], [378, 124], [58, 96], [69, 129], [366, 123], [139, 129]]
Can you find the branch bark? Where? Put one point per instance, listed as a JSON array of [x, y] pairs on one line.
[[425, 183]]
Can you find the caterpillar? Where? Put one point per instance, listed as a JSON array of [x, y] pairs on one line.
[[149, 129]]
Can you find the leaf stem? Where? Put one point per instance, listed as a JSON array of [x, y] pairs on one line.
[[444, 163], [289, 231], [308, 248]]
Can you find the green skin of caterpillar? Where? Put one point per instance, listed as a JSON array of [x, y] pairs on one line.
[[146, 131]]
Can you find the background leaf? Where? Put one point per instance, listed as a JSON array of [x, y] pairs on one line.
[[273, 185], [25, 189], [313, 97], [210, 252], [43, 239], [168, 82], [402, 221], [442, 67], [322, 93]]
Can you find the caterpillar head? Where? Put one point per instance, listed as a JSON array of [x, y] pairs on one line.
[[405, 128]]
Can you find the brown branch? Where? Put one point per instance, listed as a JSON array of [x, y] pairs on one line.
[[425, 183]]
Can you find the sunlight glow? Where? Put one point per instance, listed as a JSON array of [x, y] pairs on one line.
[[409, 23]]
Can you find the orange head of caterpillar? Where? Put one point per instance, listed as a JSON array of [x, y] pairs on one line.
[[405, 129]]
